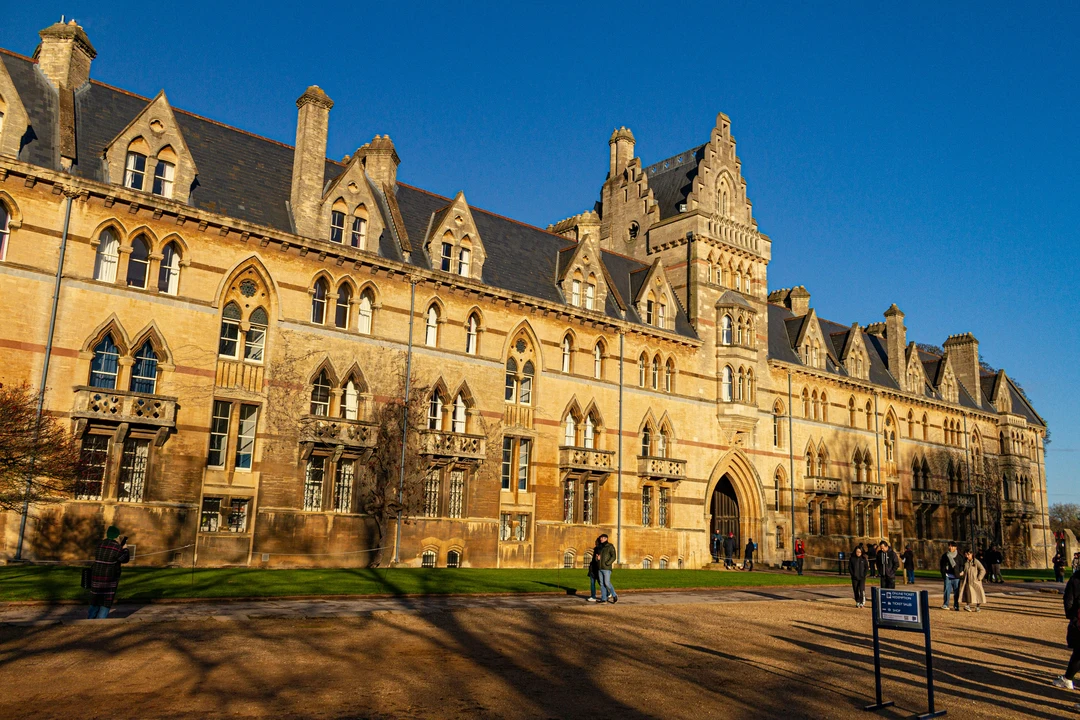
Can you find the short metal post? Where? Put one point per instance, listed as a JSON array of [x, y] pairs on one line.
[[924, 606], [874, 600]]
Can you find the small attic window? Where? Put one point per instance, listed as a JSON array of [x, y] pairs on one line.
[[682, 207], [634, 230]]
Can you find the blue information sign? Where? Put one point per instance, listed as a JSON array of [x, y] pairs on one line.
[[899, 609]]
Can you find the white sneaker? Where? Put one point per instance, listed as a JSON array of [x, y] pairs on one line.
[[944, 607], [592, 599], [1063, 682]]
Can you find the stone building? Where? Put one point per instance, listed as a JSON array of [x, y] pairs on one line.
[[232, 311]]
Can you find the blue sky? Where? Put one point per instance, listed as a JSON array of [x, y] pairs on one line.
[[922, 154]]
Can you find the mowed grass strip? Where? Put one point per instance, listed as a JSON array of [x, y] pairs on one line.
[[53, 582], [1017, 575]]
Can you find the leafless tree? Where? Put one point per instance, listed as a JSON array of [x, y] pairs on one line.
[[39, 460]]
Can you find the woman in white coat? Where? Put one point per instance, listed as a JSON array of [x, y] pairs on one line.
[[971, 582]]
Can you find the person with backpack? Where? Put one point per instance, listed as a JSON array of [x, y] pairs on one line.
[[909, 565], [111, 553], [748, 555], [800, 554], [858, 568], [594, 571], [729, 551], [607, 563], [888, 564], [1072, 634], [949, 565], [714, 546]]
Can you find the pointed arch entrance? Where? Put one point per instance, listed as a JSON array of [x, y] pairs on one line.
[[725, 510], [735, 501]]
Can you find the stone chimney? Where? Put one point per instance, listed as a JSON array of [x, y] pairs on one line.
[[622, 150], [963, 352], [64, 55], [895, 343], [380, 161], [798, 300], [309, 160]]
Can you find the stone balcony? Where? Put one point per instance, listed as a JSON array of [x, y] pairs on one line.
[[353, 434], [868, 490], [962, 500], [586, 461], [1018, 508], [926, 496], [453, 447], [823, 485], [662, 468], [120, 406]]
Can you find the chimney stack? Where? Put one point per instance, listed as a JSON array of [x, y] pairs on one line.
[[963, 350], [309, 160], [380, 161], [798, 300], [622, 150], [64, 55], [896, 343]]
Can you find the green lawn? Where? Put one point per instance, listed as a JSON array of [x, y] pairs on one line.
[[50, 582], [1006, 574]]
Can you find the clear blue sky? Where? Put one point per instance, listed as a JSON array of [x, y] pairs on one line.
[[922, 154]]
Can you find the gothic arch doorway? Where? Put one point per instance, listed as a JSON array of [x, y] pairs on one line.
[[725, 509]]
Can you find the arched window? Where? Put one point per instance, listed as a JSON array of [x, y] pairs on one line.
[[740, 388], [453, 558], [367, 312], [358, 234], [337, 222], [751, 393], [144, 371], [169, 270], [851, 411], [520, 371], [135, 165], [343, 307], [464, 266], [320, 395], [806, 403], [725, 330], [777, 424], [138, 262], [164, 174], [589, 433], [527, 371], [726, 384], [318, 301], [105, 365], [824, 406], [458, 421], [778, 489], [646, 441], [890, 440], [568, 560], [811, 462], [427, 560], [662, 443], [655, 377], [567, 348], [108, 256], [350, 400], [431, 329], [641, 370], [823, 462], [472, 333], [570, 430], [869, 416], [255, 339], [575, 290], [511, 380], [911, 424], [229, 343], [590, 293], [669, 376], [5, 220], [435, 411], [598, 360]]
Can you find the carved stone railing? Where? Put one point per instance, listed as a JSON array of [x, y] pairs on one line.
[[665, 468], [456, 446], [124, 407], [823, 485], [1018, 508], [962, 500], [873, 491], [925, 496], [338, 431], [599, 463]]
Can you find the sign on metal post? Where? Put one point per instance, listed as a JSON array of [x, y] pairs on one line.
[[907, 611]]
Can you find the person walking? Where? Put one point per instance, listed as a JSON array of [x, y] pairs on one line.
[[1059, 567], [888, 564], [607, 562], [111, 553], [909, 565], [800, 554], [996, 558], [748, 555], [594, 570], [971, 582], [949, 565], [1072, 634], [729, 551], [858, 569], [873, 554], [714, 546]]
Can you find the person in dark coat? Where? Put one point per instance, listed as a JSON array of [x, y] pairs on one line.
[[909, 565], [111, 553], [748, 554], [949, 565], [858, 569], [714, 546], [729, 551], [800, 554], [872, 555], [1059, 567], [594, 571], [888, 564], [1072, 635], [995, 559]]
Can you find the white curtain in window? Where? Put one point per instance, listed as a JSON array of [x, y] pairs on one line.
[[108, 256]]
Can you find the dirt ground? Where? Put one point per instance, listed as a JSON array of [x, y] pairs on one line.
[[768, 659]]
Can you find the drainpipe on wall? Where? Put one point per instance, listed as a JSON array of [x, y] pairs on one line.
[[1046, 509], [405, 424], [44, 374], [791, 462], [618, 489], [969, 485], [877, 450]]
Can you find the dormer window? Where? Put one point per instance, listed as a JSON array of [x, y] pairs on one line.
[[337, 226], [661, 315], [164, 174], [575, 293], [447, 253], [464, 262], [359, 231], [650, 311], [725, 330], [135, 170], [590, 296]]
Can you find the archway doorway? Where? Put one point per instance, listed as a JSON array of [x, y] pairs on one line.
[[725, 510]]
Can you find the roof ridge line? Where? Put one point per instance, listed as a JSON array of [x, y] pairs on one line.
[[12, 53], [691, 152]]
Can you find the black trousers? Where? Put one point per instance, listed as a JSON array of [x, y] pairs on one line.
[[858, 586], [889, 583], [1074, 664]]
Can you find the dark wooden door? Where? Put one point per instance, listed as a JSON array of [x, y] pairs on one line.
[[725, 511]]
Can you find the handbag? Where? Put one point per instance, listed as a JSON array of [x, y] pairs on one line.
[[85, 580]]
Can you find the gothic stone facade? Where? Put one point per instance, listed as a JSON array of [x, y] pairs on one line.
[[232, 311]]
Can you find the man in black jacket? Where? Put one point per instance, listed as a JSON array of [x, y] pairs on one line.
[[729, 551], [949, 565], [888, 563], [1072, 637]]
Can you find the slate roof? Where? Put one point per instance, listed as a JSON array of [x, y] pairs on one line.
[[672, 180], [248, 177]]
